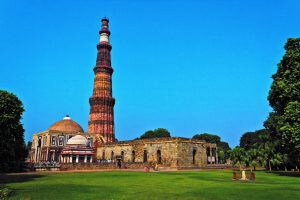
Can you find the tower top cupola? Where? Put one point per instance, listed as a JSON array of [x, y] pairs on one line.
[[104, 32]]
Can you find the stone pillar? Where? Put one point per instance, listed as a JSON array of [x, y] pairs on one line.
[[91, 160], [85, 158], [38, 155], [217, 159], [210, 153], [47, 154], [35, 154], [77, 158], [71, 158]]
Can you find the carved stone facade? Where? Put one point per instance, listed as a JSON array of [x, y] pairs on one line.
[[168, 152]]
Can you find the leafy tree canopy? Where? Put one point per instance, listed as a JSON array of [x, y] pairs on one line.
[[285, 87], [223, 146], [12, 146], [208, 137], [249, 139], [157, 133], [284, 97]]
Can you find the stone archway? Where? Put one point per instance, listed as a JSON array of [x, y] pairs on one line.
[[194, 156], [145, 156], [133, 156], [158, 156]]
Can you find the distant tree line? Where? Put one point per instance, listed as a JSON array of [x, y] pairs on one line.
[[156, 133]]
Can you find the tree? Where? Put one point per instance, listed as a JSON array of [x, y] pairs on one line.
[[249, 139], [238, 156], [252, 157], [285, 87], [268, 156], [207, 137], [12, 146], [284, 97], [157, 133], [223, 149]]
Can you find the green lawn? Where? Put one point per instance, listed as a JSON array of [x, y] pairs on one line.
[[162, 185]]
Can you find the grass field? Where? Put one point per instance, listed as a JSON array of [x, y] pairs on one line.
[[161, 185]]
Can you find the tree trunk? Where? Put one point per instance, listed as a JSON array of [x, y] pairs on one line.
[[270, 168]]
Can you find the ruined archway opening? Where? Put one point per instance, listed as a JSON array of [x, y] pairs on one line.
[[103, 155], [158, 155], [145, 156], [112, 155], [133, 156], [122, 156], [194, 155]]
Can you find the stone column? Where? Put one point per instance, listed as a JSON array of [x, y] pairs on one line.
[[217, 159], [91, 160], [85, 158], [38, 155], [71, 158], [77, 158], [35, 154], [210, 153], [47, 154]]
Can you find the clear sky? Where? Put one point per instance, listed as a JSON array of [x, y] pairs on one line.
[[188, 66]]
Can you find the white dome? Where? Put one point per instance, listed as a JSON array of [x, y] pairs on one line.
[[78, 140]]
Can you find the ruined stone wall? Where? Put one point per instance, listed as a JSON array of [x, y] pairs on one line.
[[174, 152], [191, 155]]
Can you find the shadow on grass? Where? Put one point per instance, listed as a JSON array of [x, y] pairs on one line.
[[69, 191], [17, 178], [286, 173]]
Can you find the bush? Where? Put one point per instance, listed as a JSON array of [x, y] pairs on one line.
[[288, 173], [5, 193]]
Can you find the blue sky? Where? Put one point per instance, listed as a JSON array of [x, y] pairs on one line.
[[188, 66]]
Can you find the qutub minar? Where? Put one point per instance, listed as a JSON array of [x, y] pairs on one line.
[[101, 120], [66, 143]]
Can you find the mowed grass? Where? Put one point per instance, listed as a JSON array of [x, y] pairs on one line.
[[200, 185]]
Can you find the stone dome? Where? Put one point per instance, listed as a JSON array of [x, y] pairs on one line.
[[66, 125], [78, 140]]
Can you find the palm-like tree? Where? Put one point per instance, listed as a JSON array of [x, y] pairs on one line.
[[252, 157], [238, 156], [267, 153]]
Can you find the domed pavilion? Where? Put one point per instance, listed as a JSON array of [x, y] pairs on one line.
[[77, 150], [48, 145]]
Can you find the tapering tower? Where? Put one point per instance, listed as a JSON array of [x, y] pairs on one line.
[[101, 119]]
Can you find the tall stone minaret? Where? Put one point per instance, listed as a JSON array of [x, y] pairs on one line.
[[101, 119]]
